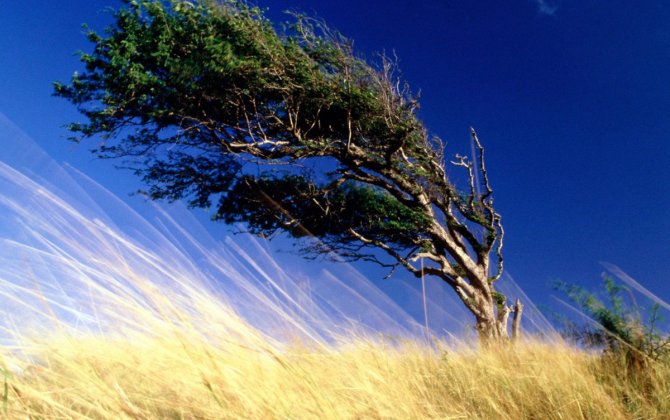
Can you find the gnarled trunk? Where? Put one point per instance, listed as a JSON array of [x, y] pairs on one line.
[[493, 326]]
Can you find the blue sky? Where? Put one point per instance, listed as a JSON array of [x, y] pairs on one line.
[[569, 98]]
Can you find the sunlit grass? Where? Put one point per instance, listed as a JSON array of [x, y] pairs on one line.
[[178, 375]]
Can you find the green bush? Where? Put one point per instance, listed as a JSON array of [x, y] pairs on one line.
[[618, 326]]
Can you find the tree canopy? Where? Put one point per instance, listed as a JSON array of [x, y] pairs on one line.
[[289, 131]]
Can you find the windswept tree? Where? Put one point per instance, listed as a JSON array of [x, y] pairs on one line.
[[290, 131]]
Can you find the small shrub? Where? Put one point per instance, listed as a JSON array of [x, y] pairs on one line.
[[618, 326]]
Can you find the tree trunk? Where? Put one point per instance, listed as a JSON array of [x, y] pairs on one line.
[[489, 327], [489, 331], [493, 328], [516, 322]]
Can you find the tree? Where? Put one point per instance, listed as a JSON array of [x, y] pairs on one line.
[[290, 131]]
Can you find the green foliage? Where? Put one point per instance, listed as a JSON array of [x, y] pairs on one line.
[[619, 328], [499, 299], [196, 94], [200, 66], [271, 203]]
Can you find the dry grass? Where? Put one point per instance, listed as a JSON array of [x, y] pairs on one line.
[[183, 376]]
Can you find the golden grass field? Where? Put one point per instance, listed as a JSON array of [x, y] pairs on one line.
[[175, 373]]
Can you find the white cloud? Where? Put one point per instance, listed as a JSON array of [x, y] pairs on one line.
[[546, 7]]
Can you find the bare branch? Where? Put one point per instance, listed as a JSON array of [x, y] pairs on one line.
[[482, 166], [501, 234], [463, 161]]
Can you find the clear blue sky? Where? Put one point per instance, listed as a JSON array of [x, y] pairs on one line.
[[568, 96]]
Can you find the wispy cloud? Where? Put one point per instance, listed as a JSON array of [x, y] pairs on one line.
[[546, 7]]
